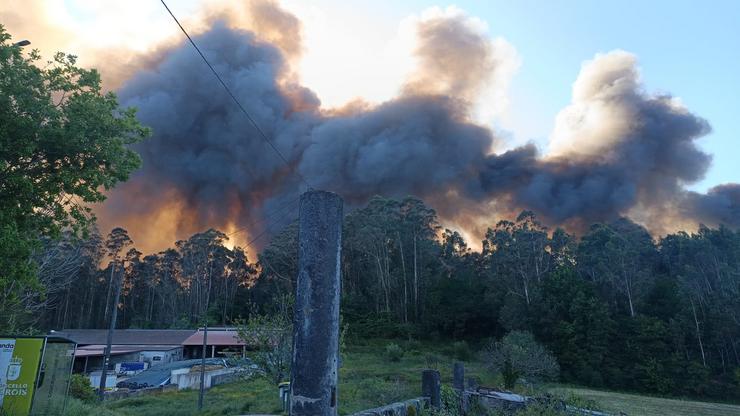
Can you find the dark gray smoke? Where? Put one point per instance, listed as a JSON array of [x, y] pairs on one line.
[[721, 205], [616, 149]]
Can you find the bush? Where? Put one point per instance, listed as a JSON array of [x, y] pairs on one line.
[[393, 352], [582, 403], [462, 351], [520, 355], [80, 388]]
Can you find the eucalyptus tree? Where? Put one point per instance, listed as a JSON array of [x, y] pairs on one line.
[[621, 256], [520, 253]]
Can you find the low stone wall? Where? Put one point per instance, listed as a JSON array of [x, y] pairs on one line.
[[226, 378], [185, 379], [398, 409]]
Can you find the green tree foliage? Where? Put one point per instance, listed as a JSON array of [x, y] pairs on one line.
[[619, 257], [80, 388], [271, 338], [393, 352], [405, 277], [63, 143]]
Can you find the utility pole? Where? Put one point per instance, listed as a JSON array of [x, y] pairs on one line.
[[313, 385], [202, 390], [203, 366], [109, 341]]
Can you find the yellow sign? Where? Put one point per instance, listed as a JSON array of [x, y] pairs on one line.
[[19, 365]]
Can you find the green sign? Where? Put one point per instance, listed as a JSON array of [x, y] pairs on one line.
[[19, 364]]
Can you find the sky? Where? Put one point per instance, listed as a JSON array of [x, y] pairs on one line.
[[363, 49], [689, 49]]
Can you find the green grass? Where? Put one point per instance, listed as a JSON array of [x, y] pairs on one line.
[[636, 405], [369, 379]]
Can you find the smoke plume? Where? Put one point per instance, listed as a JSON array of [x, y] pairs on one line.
[[616, 148]]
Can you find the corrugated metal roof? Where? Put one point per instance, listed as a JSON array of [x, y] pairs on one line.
[[216, 337], [126, 336], [98, 350]]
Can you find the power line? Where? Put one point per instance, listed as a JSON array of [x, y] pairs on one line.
[[267, 228], [292, 203], [238, 103], [265, 218]]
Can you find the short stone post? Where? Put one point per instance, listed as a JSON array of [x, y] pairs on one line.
[[472, 384], [316, 323], [430, 386], [458, 376], [458, 383]]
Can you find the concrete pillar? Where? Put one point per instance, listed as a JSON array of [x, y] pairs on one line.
[[430, 386], [313, 384], [458, 376]]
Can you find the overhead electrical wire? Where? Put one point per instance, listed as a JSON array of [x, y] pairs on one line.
[[267, 228], [238, 103], [266, 218]]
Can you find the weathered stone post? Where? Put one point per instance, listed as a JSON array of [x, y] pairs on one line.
[[430, 386], [472, 384], [313, 387], [458, 376], [458, 383]]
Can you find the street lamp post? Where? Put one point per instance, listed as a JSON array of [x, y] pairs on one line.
[[24, 42]]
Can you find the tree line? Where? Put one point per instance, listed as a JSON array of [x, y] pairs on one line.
[[617, 308]]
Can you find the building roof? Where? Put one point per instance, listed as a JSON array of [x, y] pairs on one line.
[[126, 336], [98, 350], [94, 350], [219, 337]]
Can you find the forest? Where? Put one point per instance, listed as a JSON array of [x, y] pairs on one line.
[[617, 308]]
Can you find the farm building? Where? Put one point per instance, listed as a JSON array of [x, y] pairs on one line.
[[152, 346], [219, 343]]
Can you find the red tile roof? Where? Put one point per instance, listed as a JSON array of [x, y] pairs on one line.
[[215, 337]]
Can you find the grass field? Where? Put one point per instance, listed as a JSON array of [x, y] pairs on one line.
[[368, 379], [635, 405]]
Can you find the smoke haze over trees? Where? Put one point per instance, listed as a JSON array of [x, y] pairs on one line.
[[616, 150]]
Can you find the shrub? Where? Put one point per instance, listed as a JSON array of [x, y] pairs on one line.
[[272, 335], [519, 355], [393, 352], [462, 351], [80, 388], [582, 403]]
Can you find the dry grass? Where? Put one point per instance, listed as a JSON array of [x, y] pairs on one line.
[[635, 405]]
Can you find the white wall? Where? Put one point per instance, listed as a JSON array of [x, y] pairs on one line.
[[160, 357], [187, 380]]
